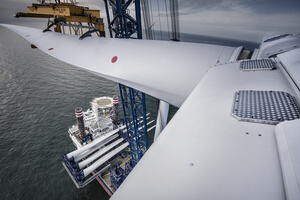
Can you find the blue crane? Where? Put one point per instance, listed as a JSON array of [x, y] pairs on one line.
[[123, 25]]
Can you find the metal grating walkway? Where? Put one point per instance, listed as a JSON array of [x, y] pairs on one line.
[[267, 107], [257, 65]]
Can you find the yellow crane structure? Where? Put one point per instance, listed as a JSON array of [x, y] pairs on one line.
[[76, 19]]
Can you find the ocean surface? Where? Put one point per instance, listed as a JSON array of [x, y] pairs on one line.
[[38, 95]]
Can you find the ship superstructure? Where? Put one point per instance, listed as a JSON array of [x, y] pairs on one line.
[[95, 121]]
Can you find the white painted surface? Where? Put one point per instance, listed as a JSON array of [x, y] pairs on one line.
[[236, 53], [166, 70], [273, 35], [291, 62], [205, 153], [288, 138], [254, 54], [278, 46], [162, 118]]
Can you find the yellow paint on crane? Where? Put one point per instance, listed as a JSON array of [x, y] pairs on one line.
[[73, 16], [66, 9]]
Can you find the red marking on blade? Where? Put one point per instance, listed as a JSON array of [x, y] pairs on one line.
[[50, 49], [114, 59]]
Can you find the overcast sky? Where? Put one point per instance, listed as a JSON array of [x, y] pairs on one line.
[[239, 19]]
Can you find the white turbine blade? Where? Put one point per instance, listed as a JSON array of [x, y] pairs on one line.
[[103, 159], [163, 69], [98, 141], [93, 149], [99, 153]]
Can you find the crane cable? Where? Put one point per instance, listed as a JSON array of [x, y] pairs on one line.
[[152, 20], [159, 19], [167, 19]]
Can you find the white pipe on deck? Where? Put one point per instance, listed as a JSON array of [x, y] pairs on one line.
[[92, 144], [162, 117], [93, 149], [103, 159], [99, 153]]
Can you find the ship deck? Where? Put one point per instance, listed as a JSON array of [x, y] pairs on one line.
[[104, 178]]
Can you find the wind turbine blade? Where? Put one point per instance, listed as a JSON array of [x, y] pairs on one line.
[[163, 69]]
